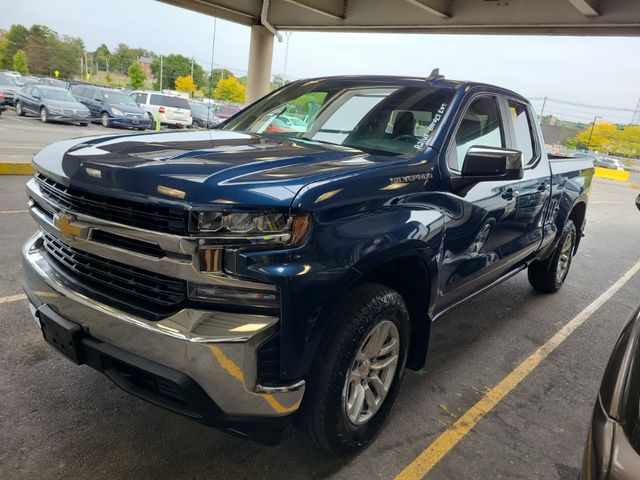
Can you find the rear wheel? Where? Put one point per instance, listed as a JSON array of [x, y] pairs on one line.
[[549, 275], [357, 374], [44, 115], [19, 109]]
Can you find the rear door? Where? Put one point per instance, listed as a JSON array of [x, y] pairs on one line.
[[499, 226], [29, 103]]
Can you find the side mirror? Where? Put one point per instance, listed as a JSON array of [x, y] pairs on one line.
[[486, 164], [36, 96]]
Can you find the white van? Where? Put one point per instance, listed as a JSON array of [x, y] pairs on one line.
[[172, 109]]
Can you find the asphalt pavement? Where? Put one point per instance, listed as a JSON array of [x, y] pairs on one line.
[[62, 421]]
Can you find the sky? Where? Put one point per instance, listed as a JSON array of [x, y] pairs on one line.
[[600, 71]]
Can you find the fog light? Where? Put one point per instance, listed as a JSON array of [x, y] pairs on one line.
[[234, 296]]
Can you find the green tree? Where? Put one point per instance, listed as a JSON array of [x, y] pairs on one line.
[[39, 54], [122, 58], [101, 56], [20, 62], [136, 76], [217, 74], [174, 66], [16, 39], [230, 90]]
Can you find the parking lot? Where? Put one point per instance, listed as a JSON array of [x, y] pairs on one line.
[[61, 421]]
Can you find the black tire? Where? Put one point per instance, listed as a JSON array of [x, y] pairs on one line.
[[323, 416], [84, 124], [44, 115], [549, 275], [105, 119], [19, 109]]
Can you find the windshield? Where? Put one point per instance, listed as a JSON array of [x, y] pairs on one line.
[[7, 80], [377, 118], [119, 99], [62, 95]]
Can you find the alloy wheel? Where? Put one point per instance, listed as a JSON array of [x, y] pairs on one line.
[[372, 372]]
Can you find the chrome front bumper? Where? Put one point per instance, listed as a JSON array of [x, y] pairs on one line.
[[216, 349]]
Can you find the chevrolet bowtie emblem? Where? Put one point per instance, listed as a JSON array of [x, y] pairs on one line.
[[64, 223]]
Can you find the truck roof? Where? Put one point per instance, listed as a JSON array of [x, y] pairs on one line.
[[418, 81]]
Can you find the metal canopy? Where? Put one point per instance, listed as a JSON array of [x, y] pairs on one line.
[[539, 17]]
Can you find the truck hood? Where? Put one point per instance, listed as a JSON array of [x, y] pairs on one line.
[[201, 167]]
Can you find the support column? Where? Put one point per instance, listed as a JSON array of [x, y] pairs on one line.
[[260, 58]]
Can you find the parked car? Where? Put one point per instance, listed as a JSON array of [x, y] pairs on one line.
[[203, 115], [51, 104], [2, 107], [246, 279], [611, 163], [612, 450], [285, 123], [112, 108], [224, 112], [28, 80], [9, 87], [54, 82], [173, 110]]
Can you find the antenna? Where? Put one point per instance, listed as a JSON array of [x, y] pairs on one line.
[[435, 75]]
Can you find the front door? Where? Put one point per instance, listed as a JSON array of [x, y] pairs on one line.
[[498, 225]]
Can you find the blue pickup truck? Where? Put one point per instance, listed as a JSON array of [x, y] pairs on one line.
[[252, 274]]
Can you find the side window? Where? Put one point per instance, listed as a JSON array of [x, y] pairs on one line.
[[522, 127], [96, 95], [480, 126], [140, 98]]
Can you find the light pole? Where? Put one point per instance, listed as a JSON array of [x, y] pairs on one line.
[[286, 58], [593, 125]]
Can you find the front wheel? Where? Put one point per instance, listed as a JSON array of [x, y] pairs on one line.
[[44, 115], [105, 119], [357, 374], [549, 275], [19, 109]]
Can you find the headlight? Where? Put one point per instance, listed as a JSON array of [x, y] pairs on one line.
[[117, 112], [289, 229]]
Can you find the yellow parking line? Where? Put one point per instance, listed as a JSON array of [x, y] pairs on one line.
[[423, 464], [13, 298], [13, 211], [7, 168]]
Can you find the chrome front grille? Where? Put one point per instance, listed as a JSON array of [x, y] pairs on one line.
[[149, 294], [136, 214]]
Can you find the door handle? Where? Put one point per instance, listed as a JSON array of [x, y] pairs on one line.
[[509, 194]]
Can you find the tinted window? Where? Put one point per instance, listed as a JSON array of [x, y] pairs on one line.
[[480, 126], [78, 91], [522, 127], [169, 101]]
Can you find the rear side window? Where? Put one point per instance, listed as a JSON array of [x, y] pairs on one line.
[[522, 127], [480, 126], [169, 101], [79, 91]]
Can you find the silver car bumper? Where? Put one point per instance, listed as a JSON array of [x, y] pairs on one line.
[[215, 349]]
